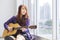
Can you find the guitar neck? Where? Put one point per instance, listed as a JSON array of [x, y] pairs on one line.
[[31, 27], [18, 28]]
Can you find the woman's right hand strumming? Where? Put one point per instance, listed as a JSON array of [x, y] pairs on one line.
[[10, 29]]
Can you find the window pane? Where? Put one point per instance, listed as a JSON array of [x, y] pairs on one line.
[[44, 18]]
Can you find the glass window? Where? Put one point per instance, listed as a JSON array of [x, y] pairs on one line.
[[44, 18]]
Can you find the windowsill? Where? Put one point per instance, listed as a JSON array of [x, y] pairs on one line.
[[47, 36]]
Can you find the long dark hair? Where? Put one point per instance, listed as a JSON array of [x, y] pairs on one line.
[[19, 17], [19, 12]]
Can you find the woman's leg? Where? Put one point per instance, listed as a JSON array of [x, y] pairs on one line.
[[20, 37], [8, 38]]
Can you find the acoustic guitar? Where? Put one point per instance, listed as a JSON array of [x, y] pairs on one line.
[[15, 28]]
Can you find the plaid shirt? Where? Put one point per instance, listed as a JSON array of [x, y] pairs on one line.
[[13, 20]]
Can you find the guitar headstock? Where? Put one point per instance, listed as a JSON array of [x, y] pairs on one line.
[[33, 26]]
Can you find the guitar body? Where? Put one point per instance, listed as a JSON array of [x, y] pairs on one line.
[[15, 26], [7, 33]]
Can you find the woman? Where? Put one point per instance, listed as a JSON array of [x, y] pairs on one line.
[[22, 19]]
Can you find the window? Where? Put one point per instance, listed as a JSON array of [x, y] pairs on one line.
[[58, 19], [44, 18]]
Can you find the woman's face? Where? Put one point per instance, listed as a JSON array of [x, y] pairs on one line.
[[23, 10]]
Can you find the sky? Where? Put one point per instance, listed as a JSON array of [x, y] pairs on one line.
[[42, 2]]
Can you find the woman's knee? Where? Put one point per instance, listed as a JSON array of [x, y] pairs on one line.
[[8, 38]]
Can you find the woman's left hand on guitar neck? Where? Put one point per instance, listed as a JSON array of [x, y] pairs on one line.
[[23, 29]]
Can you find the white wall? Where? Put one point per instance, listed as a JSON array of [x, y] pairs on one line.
[[7, 10]]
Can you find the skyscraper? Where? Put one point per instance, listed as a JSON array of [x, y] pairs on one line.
[[45, 12]]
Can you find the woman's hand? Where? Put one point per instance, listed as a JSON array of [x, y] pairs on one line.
[[10, 29], [19, 26], [23, 29]]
